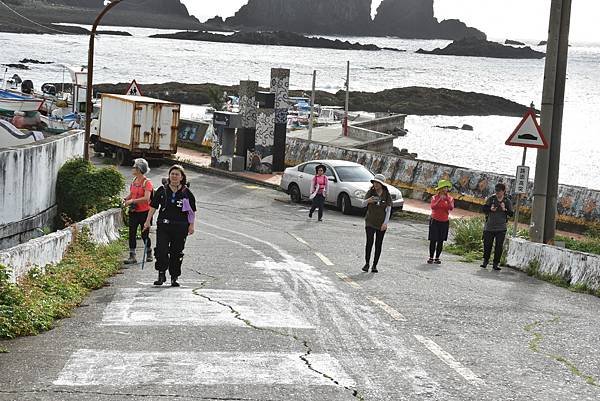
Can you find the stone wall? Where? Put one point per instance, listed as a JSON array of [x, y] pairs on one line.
[[50, 249], [576, 268], [383, 124], [28, 184], [577, 205]]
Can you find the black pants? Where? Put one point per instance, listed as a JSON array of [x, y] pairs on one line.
[[138, 219], [318, 202], [373, 235], [170, 241], [488, 240], [435, 248]]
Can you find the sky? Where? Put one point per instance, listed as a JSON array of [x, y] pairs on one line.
[[500, 19]]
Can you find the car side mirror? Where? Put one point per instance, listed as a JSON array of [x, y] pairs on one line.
[[332, 179]]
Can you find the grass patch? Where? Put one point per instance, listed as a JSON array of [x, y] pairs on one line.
[[410, 216], [533, 270], [534, 345], [42, 297], [589, 244]]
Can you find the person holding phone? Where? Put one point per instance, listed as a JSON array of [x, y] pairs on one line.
[[439, 223], [175, 222], [498, 209], [318, 191], [379, 209]]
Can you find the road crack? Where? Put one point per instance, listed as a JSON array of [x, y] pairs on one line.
[[534, 344], [237, 315]]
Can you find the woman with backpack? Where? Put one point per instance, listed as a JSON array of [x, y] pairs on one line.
[[175, 222], [138, 202], [379, 209]]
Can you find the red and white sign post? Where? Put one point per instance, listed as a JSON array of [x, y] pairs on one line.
[[528, 134]]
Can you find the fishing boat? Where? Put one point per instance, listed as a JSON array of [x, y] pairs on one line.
[[11, 102]]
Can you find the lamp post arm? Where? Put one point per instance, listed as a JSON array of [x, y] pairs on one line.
[[90, 73]]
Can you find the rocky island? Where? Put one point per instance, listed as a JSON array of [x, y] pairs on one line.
[[279, 38], [482, 48]]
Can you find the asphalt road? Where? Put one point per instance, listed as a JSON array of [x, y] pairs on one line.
[[274, 306]]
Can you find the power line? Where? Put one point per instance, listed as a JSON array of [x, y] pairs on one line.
[[32, 21]]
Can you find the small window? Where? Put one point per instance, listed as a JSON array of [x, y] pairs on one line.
[[310, 168]]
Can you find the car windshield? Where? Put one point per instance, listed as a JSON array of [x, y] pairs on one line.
[[354, 174]]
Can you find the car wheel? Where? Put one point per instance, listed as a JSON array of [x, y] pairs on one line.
[[344, 204], [295, 194]]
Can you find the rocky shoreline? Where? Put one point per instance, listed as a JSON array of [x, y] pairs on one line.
[[278, 38], [409, 100]]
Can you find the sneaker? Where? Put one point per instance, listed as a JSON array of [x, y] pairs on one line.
[[365, 268], [437, 261], [174, 283], [149, 257], [161, 278], [484, 264], [496, 267], [430, 261], [374, 270]]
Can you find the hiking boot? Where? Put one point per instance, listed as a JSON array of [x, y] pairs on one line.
[[374, 270], [496, 267], [365, 268], [131, 260], [161, 278], [174, 282]]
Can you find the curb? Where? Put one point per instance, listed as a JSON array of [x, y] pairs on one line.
[[225, 174]]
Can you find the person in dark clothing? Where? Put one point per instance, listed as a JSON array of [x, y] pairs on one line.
[[498, 209], [379, 208], [138, 202], [175, 222]]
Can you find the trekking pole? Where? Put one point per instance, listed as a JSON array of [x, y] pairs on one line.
[[145, 252]]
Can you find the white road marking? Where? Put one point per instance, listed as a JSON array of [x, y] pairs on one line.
[[181, 307], [129, 369], [324, 259], [387, 309], [300, 240], [449, 360], [348, 280]]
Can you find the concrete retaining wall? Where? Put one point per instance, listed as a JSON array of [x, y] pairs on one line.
[[577, 268], [384, 124], [576, 205], [50, 249], [28, 184]]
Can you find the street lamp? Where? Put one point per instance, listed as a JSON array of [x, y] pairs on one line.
[[90, 72]]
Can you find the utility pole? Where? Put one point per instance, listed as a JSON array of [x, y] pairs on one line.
[[545, 193], [90, 72], [312, 106], [345, 127]]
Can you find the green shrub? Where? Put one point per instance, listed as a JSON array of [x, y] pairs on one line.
[[588, 244], [42, 297], [468, 234], [83, 190]]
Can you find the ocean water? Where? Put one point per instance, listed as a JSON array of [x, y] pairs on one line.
[[121, 59]]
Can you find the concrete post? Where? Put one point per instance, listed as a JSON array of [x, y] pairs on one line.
[[545, 193]]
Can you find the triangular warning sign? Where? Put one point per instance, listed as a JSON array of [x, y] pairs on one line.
[[528, 133], [134, 89]]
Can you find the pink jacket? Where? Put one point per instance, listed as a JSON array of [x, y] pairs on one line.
[[323, 184]]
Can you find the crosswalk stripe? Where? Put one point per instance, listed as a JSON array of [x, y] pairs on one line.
[[88, 367]]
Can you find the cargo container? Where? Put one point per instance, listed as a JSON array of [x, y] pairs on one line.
[[136, 126]]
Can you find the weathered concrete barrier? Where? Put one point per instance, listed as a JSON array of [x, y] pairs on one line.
[[576, 205], [50, 249], [28, 184], [576, 268]]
